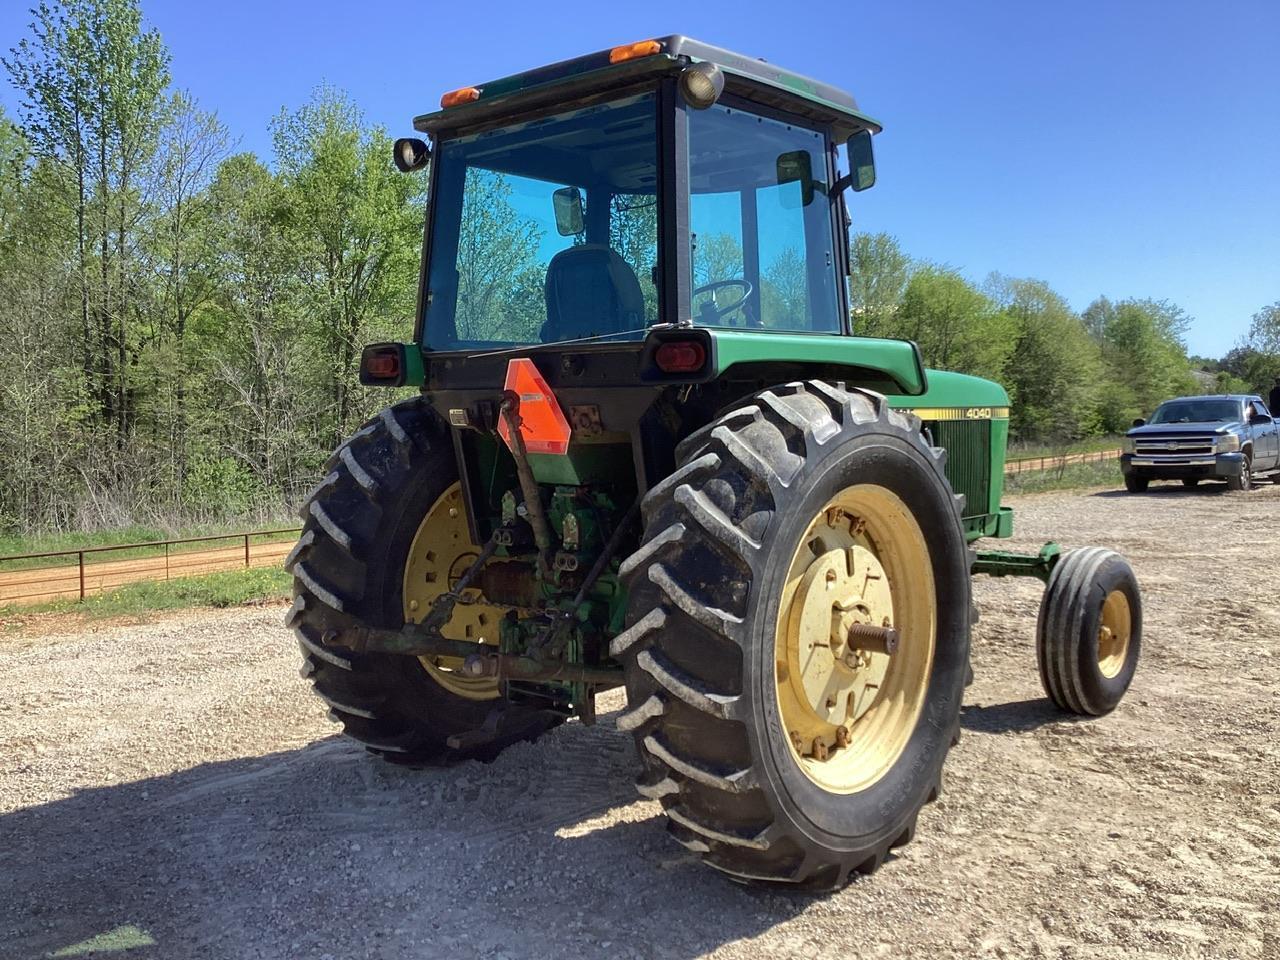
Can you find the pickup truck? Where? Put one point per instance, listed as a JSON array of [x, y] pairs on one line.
[[1227, 437]]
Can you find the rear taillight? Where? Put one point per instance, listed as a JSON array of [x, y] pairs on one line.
[[382, 365], [680, 356]]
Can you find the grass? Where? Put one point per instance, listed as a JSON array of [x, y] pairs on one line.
[[46, 543], [1025, 451], [1074, 476], [227, 588]]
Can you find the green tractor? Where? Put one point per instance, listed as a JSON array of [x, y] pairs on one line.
[[650, 451]]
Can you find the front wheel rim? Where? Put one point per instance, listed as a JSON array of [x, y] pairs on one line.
[[849, 702], [1114, 631]]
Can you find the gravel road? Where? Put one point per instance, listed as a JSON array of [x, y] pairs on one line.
[[175, 788]]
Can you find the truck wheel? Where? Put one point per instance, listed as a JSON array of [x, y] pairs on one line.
[[1245, 480], [1089, 631], [788, 734], [385, 534], [1136, 484]]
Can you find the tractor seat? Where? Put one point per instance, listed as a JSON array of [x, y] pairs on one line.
[[591, 291]]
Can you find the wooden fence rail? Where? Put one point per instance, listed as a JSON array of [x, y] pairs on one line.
[[1034, 464], [88, 570]]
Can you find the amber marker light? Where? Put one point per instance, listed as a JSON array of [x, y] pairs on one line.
[[461, 95], [633, 51]]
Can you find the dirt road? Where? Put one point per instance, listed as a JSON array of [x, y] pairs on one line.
[[43, 584], [175, 787]]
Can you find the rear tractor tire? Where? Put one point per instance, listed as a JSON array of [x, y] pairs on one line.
[[385, 534], [1089, 631], [798, 635]]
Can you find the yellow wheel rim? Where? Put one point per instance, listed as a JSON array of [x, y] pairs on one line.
[[848, 705], [1113, 633], [442, 551]]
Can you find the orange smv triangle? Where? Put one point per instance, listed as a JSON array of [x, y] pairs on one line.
[[542, 423]]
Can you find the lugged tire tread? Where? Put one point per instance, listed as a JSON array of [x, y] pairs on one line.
[[1060, 625], [330, 566], [748, 456]]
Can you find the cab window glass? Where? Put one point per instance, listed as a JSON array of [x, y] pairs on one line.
[[761, 239]]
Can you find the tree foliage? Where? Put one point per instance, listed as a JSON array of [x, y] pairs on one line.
[[179, 321]]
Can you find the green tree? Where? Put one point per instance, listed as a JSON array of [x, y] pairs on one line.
[[91, 80], [956, 326], [182, 262], [262, 391], [1144, 359], [1261, 364], [880, 271], [1053, 373], [357, 224]]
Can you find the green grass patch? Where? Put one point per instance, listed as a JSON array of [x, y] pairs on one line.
[[228, 588], [1074, 476]]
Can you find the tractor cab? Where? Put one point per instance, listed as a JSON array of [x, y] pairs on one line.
[[660, 183]]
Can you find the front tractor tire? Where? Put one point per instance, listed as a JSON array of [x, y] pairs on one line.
[[1089, 631], [798, 635], [385, 533]]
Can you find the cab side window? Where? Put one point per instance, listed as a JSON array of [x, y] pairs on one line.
[[761, 242]]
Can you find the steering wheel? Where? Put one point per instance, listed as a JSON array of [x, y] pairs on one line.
[[712, 311]]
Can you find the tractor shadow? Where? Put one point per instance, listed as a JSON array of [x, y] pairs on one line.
[[1018, 716], [325, 850]]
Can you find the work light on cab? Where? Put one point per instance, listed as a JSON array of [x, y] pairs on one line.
[[701, 85], [409, 154]]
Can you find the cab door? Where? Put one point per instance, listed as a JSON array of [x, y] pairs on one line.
[[1266, 437]]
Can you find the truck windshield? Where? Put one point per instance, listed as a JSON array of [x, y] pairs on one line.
[[546, 230], [1197, 411]]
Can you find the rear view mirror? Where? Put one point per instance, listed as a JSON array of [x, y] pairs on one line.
[[1139, 422], [862, 161], [567, 202], [796, 166]]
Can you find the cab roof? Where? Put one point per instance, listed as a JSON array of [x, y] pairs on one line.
[[583, 77]]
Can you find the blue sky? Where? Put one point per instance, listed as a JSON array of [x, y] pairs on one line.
[[1126, 148]]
